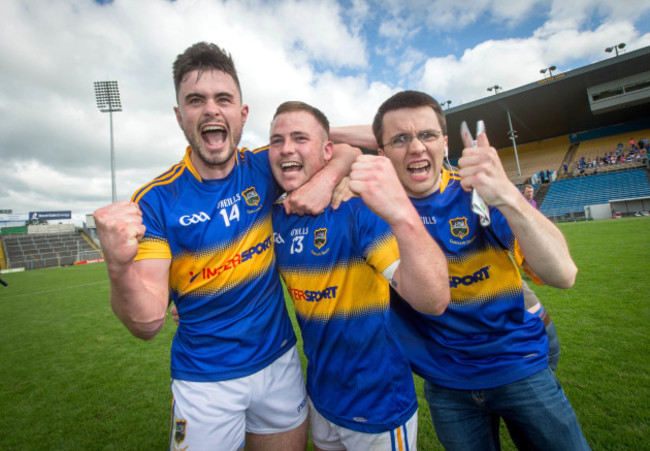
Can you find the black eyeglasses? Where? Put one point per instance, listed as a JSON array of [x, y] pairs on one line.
[[404, 140]]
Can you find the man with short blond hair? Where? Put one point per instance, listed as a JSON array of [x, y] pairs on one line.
[[337, 267]]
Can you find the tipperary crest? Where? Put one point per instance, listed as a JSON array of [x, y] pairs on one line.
[[320, 237], [179, 431], [251, 197], [459, 227]]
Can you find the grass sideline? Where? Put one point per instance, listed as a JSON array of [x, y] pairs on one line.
[[72, 377]]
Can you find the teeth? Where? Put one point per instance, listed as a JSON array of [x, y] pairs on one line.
[[419, 165], [289, 164], [213, 128]]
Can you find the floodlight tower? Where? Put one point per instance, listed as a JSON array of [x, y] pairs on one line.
[[615, 48], [108, 100], [494, 88], [549, 69]]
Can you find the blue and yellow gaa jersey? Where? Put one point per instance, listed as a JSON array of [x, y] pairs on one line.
[[219, 237], [485, 338], [357, 374]]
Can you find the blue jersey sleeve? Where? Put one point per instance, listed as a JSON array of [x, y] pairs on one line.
[[375, 237]]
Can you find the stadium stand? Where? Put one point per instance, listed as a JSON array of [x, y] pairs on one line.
[[597, 148], [534, 157], [3, 257], [43, 248], [583, 112], [570, 196]]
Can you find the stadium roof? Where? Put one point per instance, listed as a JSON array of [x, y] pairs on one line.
[[555, 106]]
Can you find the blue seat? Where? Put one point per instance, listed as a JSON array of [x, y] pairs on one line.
[[572, 195]]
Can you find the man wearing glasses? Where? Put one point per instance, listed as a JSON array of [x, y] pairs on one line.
[[486, 356]]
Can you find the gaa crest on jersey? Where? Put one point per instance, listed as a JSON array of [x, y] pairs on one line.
[[320, 237], [459, 227], [179, 431], [251, 197]]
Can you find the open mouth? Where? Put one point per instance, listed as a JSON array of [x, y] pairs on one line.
[[419, 168], [289, 167], [214, 135]]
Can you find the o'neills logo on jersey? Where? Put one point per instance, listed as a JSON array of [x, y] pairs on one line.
[[312, 296], [320, 237], [251, 197], [481, 274], [459, 227], [193, 218]]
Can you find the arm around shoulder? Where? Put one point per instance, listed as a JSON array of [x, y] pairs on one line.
[[355, 135], [315, 195]]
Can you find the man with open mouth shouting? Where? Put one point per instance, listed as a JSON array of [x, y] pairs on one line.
[[201, 236], [337, 267]]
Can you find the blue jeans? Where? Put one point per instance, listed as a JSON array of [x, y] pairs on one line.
[[535, 409]]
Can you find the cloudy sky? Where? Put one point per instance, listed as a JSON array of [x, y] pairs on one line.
[[344, 56]]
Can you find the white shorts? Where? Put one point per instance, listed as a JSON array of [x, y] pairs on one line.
[[217, 415], [327, 435]]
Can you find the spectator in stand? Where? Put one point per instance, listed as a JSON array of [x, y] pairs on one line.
[[529, 192], [545, 176], [566, 168]]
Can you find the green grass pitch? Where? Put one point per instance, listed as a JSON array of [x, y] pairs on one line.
[[72, 377]]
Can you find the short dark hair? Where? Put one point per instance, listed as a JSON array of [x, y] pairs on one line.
[[406, 99], [295, 105], [203, 56]]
